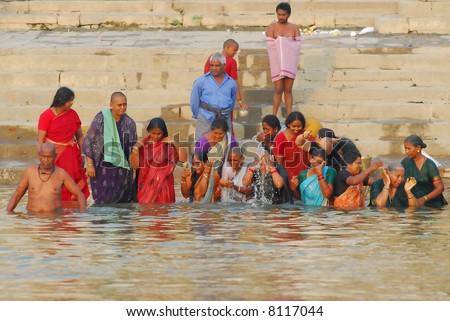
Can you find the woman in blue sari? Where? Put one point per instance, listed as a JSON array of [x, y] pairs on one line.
[[315, 184], [429, 187]]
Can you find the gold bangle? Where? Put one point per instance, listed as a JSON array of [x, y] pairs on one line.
[[425, 198], [183, 182], [387, 189], [90, 164]]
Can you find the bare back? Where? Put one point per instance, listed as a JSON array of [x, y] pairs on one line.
[[277, 29]]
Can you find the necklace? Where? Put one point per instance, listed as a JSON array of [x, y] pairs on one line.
[[42, 173]]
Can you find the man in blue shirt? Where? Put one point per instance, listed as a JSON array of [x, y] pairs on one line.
[[213, 96]]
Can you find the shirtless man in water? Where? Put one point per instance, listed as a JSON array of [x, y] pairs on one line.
[[44, 183], [283, 28]]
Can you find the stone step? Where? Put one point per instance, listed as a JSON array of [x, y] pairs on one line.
[[169, 63], [43, 96], [387, 16], [184, 78], [375, 110], [439, 8], [331, 111], [338, 95]]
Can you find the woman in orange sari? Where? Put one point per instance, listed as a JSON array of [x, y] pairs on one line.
[[61, 126], [348, 190], [156, 157]]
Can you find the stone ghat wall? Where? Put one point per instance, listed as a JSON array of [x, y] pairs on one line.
[[387, 16]]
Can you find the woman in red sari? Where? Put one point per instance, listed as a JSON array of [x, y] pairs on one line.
[[287, 150], [156, 157], [61, 126]]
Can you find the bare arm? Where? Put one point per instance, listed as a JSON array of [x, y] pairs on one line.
[[270, 31], [21, 189], [217, 191], [293, 185], [134, 155], [438, 190], [75, 190], [278, 181], [248, 177], [186, 182], [90, 168], [80, 138], [381, 199], [354, 180], [202, 184], [325, 188], [42, 135], [409, 184]]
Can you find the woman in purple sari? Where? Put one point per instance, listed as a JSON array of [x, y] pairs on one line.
[[107, 148]]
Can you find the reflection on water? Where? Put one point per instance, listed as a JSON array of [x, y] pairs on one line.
[[223, 252]]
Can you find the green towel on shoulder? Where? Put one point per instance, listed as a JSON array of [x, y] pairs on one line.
[[112, 148]]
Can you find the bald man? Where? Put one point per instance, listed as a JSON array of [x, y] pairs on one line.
[[44, 182]]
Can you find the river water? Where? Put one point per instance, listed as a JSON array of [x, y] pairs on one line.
[[223, 252]]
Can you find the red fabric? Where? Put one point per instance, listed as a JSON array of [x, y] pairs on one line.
[[156, 165], [295, 158], [230, 67], [60, 130]]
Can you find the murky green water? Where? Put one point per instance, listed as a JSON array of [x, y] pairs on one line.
[[223, 252]]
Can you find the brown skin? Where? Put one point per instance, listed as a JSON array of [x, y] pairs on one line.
[[283, 28], [155, 135], [415, 153], [293, 129], [317, 164], [217, 70], [392, 181], [42, 134], [266, 166], [203, 171], [267, 135], [236, 164], [44, 190], [358, 177]]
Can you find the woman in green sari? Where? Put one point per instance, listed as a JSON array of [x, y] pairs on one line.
[[429, 187]]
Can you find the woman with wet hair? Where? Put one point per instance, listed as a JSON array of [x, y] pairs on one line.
[[392, 190], [429, 187]]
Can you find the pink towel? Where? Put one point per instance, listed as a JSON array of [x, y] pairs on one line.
[[283, 56]]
